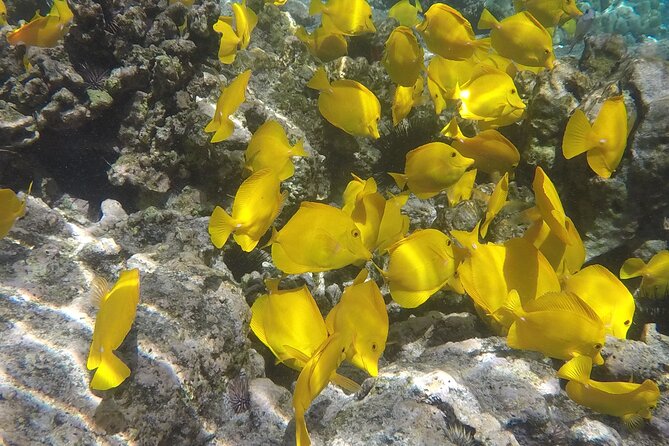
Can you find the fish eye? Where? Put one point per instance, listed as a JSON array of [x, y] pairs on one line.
[[598, 346], [627, 322], [452, 154], [513, 91], [448, 243], [547, 51], [343, 349], [355, 233], [374, 346]]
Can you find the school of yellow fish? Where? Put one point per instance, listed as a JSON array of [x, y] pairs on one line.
[[532, 289]]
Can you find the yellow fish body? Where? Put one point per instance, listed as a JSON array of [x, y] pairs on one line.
[[549, 205], [447, 33], [419, 266], [406, 98], [3, 13], [431, 168], [326, 44], [403, 57], [606, 295], [269, 148], [443, 76], [347, 104], [559, 325], [491, 151], [229, 43], [45, 31], [365, 206], [496, 203], [511, 118], [550, 13], [566, 258], [229, 101], [655, 274], [462, 190], [257, 203], [317, 238], [394, 225], [630, 401], [604, 140], [405, 13], [11, 209], [118, 307], [489, 94], [501, 63], [245, 21], [350, 17], [361, 314], [521, 38]]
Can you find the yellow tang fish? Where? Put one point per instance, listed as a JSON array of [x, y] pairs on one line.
[[549, 13], [3, 13], [406, 98], [491, 151], [559, 325], [501, 63], [462, 190], [447, 33], [403, 57], [630, 401], [431, 168], [44, 31], [361, 314], [394, 225], [655, 273], [489, 94], [324, 43], [490, 272], [347, 104], [313, 378], [521, 38], [443, 75], [496, 203], [419, 266], [245, 21], [257, 203], [513, 117], [11, 209], [405, 13], [549, 205], [605, 294], [229, 101], [118, 307], [317, 238], [604, 140], [350, 17], [566, 258], [269, 148], [227, 48], [365, 206]]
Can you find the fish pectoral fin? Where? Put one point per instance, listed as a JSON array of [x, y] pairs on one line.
[[345, 383], [295, 353], [632, 421]]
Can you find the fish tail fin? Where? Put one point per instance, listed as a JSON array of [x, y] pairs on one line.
[[632, 268], [419, 7], [576, 135], [110, 373], [316, 7], [452, 130], [298, 149], [400, 179], [456, 92], [577, 369], [223, 130], [487, 20], [301, 432], [320, 80], [302, 34], [221, 225], [272, 238]]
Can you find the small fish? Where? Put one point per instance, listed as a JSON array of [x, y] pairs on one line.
[[118, 307], [630, 401], [347, 104], [405, 99], [550, 13], [229, 101], [447, 33], [350, 17], [496, 203], [229, 43], [431, 168], [549, 205], [419, 266], [365, 206], [326, 44], [257, 203], [605, 294], [491, 151], [566, 258], [655, 274], [443, 75], [317, 238], [403, 57], [269, 148], [394, 225], [559, 325], [462, 190], [11, 209], [44, 31], [406, 13], [582, 28], [361, 314], [490, 94], [604, 141], [3, 13], [521, 38], [245, 21]]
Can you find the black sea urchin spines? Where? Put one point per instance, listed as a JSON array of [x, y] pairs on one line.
[[94, 76], [239, 396]]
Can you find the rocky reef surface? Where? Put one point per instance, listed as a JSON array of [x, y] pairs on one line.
[[109, 127]]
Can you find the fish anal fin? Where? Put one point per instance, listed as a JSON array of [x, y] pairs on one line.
[[296, 354]]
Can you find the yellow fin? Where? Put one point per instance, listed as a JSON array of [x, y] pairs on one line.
[[316, 7], [221, 226], [577, 135], [110, 373], [99, 289], [345, 383], [452, 130], [632, 421], [632, 268], [320, 80], [400, 179], [576, 369], [487, 20]]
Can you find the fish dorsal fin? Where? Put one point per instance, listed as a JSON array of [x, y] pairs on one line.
[[99, 289], [534, 21], [361, 277], [249, 189], [495, 135], [577, 369], [459, 17], [563, 301]]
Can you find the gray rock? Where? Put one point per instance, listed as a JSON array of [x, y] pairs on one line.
[[16, 130]]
